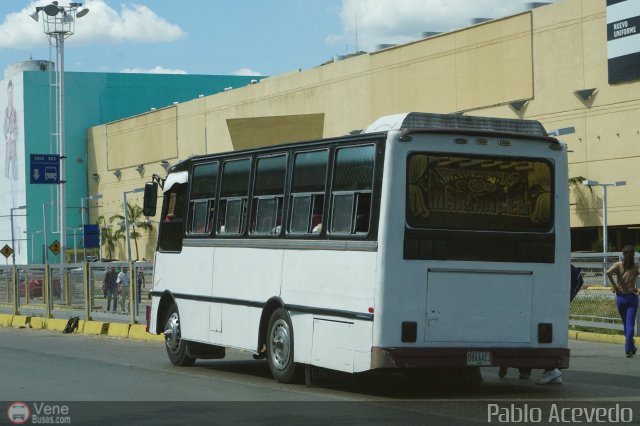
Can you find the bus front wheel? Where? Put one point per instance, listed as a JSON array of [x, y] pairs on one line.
[[176, 347], [280, 347]]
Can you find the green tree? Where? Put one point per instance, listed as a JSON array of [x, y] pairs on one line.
[[137, 221], [575, 182], [110, 235]]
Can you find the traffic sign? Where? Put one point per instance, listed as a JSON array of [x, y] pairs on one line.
[[45, 168], [6, 251], [91, 236], [55, 247]]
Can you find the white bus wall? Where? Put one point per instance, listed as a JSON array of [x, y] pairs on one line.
[[337, 343], [243, 275], [467, 308], [328, 342], [189, 273], [301, 278]]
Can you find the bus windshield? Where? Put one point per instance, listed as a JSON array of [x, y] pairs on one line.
[[482, 193]]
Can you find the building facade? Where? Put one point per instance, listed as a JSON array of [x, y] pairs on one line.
[[559, 64], [27, 106]]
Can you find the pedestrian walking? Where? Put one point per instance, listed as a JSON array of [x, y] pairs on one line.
[[140, 282], [110, 286], [123, 289], [626, 271]]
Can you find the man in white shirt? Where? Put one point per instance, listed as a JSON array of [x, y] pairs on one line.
[[123, 289]]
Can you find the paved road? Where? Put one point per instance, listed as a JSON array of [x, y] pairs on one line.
[[39, 365]]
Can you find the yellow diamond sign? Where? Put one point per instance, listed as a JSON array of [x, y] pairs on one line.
[[55, 247], [6, 251]]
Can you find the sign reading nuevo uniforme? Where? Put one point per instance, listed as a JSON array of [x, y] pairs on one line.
[[623, 40]]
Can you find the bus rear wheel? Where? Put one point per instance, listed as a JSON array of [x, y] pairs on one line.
[[280, 347], [176, 347]]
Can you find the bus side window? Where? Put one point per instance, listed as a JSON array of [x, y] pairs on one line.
[[351, 191], [234, 195], [202, 199], [307, 192], [268, 195]]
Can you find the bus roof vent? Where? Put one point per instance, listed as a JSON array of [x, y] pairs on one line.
[[424, 120]]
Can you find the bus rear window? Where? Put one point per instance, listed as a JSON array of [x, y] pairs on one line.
[[479, 193]]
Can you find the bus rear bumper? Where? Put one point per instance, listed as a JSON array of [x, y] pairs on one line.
[[383, 357]]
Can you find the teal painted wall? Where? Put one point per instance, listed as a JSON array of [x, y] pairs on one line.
[[92, 99]]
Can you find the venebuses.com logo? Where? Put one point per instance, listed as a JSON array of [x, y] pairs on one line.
[[18, 413]]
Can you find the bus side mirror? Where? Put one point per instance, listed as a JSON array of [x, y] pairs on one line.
[[150, 199]]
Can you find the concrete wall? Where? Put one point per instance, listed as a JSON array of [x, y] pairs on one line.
[[540, 56]]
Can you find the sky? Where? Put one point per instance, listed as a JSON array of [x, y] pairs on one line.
[[231, 37]]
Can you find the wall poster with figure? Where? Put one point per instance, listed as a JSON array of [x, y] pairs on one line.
[[12, 179]]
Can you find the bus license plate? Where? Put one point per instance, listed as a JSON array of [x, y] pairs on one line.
[[479, 358]]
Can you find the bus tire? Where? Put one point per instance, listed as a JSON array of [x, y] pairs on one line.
[[280, 347], [176, 347]]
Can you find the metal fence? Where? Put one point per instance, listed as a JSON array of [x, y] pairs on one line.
[[74, 294], [75, 289], [595, 304]]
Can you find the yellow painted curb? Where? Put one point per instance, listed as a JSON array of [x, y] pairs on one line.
[[604, 338], [95, 327], [38, 323], [81, 324], [573, 335], [139, 332], [117, 329], [20, 321], [56, 324], [5, 320]]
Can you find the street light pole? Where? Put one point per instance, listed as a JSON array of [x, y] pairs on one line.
[[126, 220], [605, 238], [13, 241], [58, 24]]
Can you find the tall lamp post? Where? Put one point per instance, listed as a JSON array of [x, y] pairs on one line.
[[126, 220], [13, 241], [59, 23], [89, 198], [605, 239]]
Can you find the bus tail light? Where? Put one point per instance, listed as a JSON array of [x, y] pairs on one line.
[[409, 331], [545, 332]]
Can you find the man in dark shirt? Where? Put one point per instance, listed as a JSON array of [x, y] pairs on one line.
[[112, 288]]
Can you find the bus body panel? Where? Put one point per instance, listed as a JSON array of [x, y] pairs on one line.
[[332, 280], [459, 304]]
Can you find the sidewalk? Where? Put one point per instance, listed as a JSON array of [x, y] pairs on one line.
[[138, 331], [598, 337], [96, 328]]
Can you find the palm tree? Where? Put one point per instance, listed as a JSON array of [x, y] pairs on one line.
[[110, 236], [576, 181], [135, 220]]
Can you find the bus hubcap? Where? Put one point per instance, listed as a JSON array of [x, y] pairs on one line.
[[280, 344], [172, 332]]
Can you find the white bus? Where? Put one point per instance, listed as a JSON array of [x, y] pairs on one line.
[[426, 240]]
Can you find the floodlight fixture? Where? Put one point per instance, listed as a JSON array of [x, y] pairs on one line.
[[52, 9], [81, 11]]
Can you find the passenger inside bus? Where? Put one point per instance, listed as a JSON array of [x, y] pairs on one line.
[[316, 217], [363, 212]]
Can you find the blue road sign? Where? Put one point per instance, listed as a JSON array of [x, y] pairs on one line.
[[91, 236], [45, 168]]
